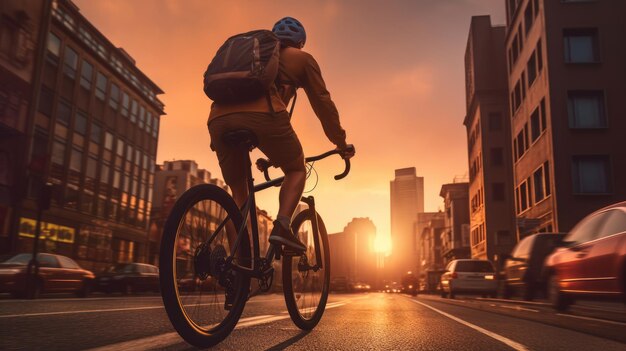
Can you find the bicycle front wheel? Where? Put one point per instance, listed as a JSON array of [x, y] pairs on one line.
[[306, 277], [195, 275]]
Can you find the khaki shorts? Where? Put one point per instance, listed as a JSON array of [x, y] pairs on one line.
[[277, 140]]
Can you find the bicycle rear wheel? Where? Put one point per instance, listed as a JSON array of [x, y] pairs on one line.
[[305, 284], [194, 274]]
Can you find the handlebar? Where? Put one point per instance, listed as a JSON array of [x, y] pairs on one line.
[[264, 164]]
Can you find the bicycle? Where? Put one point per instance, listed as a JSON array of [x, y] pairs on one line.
[[197, 255]]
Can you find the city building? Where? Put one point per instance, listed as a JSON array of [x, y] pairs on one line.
[[407, 199], [91, 122], [352, 252], [566, 109], [422, 221], [22, 26], [431, 265], [455, 238], [491, 210]]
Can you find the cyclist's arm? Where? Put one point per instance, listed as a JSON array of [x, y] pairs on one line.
[[320, 100]]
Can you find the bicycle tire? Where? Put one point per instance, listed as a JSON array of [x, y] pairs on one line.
[[171, 289], [314, 311]]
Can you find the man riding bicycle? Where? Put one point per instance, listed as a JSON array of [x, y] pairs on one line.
[[268, 118]]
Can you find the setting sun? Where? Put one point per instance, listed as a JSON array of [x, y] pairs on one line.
[[382, 244]]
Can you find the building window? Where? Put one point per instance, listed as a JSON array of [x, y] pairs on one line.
[[46, 101], [586, 109], [101, 86], [537, 123], [133, 111], [116, 179], [125, 104], [80, 124], [76, 160], [155, 127], [70, 62], [96, 133], [528, 17], [590, 174], [531, 68], [142, 116], [90, 172], [498, 191], [115, 96], [520, 142], [54, 48], [541, 182], [86, 75], [64, 113], [120, 148], [71, 196], [581, 45], [108, 141], [58, 159], [104, 173], [129, 153]]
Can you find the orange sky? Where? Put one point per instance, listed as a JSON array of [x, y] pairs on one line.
[[394, 69]]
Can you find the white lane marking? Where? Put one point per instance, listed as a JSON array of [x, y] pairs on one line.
[[513, 344], [87, 299], [519, 308], [591, 319], [113, 309], [168, 339]]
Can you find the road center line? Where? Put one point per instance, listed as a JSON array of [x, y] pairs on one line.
[[111, 310], [519, 308], [513, 344]]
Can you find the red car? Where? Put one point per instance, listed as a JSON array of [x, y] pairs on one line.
[[56, 274], [592, 264]]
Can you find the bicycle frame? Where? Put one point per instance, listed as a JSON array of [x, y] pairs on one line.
[[249, 210]]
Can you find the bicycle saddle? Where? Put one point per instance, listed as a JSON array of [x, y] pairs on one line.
[[241, 137]]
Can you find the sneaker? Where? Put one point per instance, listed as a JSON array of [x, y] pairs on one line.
[[284, 236]]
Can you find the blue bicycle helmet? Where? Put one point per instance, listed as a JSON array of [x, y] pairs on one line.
[[290, 32]]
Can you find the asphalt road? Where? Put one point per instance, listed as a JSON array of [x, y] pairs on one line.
[[373, 321]]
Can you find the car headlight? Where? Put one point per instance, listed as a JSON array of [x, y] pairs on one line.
[[489, 277]]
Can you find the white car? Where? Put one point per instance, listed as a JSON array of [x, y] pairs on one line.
[[470, 277]]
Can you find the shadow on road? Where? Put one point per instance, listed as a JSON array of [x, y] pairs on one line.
[[283, 345]]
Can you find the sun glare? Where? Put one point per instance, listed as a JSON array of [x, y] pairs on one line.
[[382, 244]]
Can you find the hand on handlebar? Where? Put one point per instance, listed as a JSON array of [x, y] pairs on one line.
[[347, 152]]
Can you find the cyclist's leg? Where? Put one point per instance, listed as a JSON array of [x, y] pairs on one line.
[[292, 187]]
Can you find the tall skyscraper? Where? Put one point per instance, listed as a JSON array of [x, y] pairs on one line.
[[407, 199]]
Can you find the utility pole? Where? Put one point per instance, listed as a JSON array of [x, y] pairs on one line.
[[43, 203]]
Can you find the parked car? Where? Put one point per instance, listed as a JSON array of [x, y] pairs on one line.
[[340, 284], [129, 278], [469, 276], [410, 284], [522, 269], [361, 287], [592, 264], [56, 274], [190, 283]]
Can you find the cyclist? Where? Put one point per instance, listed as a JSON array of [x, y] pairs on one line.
[[277, 139]]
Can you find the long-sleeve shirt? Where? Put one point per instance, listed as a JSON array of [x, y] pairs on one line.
[[297, 69]]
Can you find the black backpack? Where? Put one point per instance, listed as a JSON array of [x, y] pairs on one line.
[[243, 68]]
